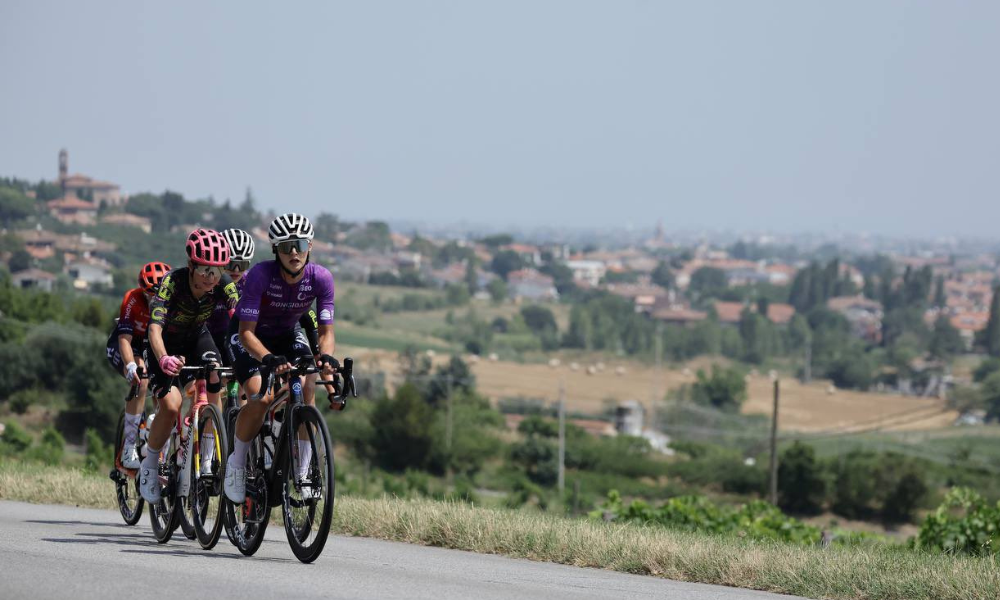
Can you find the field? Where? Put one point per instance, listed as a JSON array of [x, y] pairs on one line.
[[592, 385], [588, 387]]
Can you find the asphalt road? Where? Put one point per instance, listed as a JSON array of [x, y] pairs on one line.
[[62, 552]]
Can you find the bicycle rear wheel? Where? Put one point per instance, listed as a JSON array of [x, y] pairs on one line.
[[164, 515], [247, 522], [307, 502], [130, 503], [206, 488]]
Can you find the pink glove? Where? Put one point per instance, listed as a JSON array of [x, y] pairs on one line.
[[171, 365]]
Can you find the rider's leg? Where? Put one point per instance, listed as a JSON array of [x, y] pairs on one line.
[[305, 448], [166, 416], [250, 419]]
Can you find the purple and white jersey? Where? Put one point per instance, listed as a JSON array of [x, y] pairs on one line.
[[276, 306]]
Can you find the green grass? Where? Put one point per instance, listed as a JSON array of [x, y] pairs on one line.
[[877, 572]]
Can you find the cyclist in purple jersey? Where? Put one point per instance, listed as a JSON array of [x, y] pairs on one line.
[[275, 295]]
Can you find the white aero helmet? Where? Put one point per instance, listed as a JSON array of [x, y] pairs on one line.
[[289, 226], [241, 244]]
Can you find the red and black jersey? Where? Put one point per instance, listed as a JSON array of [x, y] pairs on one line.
[[133, 318]]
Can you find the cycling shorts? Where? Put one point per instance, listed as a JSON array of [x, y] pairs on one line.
[[115, 358], [196, 351], [293, 346]]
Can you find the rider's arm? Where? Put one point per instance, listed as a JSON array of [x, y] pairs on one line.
[[125, 347], [158, 309], [125, 327], [326, 339]]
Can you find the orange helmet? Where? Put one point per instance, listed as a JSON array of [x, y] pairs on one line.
[[151, 275]]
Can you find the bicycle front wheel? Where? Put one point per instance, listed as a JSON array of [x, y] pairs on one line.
[[246, 522], [206, 484], [308, 488], [130, 503]]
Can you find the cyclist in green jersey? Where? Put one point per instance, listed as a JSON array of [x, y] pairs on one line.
[[178, 337]]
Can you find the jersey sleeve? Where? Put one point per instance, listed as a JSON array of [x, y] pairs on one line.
[[248, 307], [160, 305], [126, 315], [324, 298]]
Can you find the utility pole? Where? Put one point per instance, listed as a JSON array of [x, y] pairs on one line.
[[448, 426], [773, 495], [657, 378], [562, 439], [809, 361]]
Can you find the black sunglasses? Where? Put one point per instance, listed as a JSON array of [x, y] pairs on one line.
[[238, 265], [286, 247]]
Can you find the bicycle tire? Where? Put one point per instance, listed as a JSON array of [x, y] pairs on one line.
[[206, 491], [164, 516], [248, 521], [130, 503], [299, 513]]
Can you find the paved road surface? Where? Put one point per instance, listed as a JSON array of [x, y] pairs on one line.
[[62, 552]]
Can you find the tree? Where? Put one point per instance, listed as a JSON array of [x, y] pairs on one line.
[[989, 337], [402, 436], [496, 241], [662, 276], [940, 298], [497, 288], [801, 485], [946, 341], [725, 389], [506, 261], [989, 391], [20, 260], [852, 370], [985, 369], [538, 318], [14, 206], [708, 282], [471, 276], [326, 226]]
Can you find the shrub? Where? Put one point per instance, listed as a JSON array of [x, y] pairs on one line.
[[964, 523], [725, 389], [801, 481], [754, 520], [15, 439]]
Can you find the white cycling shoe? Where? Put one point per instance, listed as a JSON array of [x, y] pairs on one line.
[[130, 458], [149, 484], [236, 482]]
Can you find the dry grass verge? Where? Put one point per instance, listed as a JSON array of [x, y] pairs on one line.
[[882, 573]]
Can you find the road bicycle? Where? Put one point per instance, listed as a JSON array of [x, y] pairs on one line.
[[130, 503], [273, 465], [188, 490]]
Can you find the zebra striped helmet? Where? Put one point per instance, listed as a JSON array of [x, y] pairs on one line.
[[289, 226], [241, 244]]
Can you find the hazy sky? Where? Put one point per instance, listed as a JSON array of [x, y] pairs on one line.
[[825, 116]]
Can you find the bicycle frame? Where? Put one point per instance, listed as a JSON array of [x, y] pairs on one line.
[[193, 442]]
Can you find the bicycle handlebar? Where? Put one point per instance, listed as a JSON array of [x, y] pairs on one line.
[[343, 380]]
